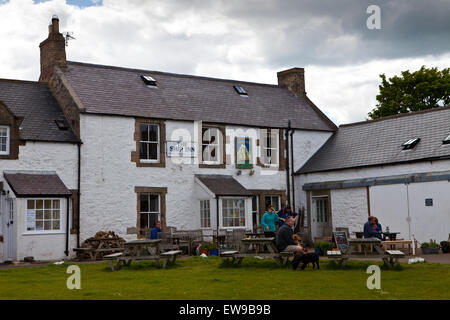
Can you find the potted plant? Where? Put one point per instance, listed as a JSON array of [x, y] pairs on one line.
[[445, 246], [321, 247], [430, 247], [204, 249], [214, 249]]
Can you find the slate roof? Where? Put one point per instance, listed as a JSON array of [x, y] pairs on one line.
[[35, 103], [36, 184], [223, 185], [379, 142], [121, 91]]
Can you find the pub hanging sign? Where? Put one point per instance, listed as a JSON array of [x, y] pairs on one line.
[[181, 149]]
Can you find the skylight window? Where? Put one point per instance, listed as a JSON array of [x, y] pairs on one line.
[[446, 140], [61, 124], [149, 81], [240, 90], [411, 143]]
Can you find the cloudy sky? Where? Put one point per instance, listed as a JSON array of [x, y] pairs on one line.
[[247, 40]]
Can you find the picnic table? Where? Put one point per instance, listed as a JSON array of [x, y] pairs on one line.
[[244, 252], [395, 244], [371, 247], [97, 247], [143, 249]]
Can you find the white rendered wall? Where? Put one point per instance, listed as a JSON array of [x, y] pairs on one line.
[[40, 156], [108, 199], [389, 202]]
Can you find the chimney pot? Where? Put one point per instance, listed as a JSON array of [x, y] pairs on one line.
[[294, 80], [53, 50]]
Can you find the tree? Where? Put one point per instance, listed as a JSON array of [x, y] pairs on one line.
[[420, 90]]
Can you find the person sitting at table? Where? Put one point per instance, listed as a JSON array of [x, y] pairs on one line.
[[283, 213], [155, 230], [372, 229], [285, 241], [268, 222]]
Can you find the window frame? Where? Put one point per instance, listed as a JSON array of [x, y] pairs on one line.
[[148, 213], [221, 147], [264, 133], [222, 213], [8, 140], [161, 155], [205, 214], [149, 142], [61, 213], [272, 196]]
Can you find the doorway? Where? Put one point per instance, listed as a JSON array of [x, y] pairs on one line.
[[10, 230], [321, 216]]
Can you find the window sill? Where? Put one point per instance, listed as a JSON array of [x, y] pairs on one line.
[[43, 233]]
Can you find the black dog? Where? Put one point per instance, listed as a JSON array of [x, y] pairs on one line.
[[306, 259]]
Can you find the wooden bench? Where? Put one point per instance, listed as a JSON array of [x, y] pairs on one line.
[[228, 254], [93, 252], [337, 256], [395, 244], [393, 256], [168, 255]]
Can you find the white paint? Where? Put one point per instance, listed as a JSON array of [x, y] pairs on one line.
[[389, 202], [108, 200], [306, 144], [39, 156]]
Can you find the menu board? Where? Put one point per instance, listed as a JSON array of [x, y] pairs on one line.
[[340, 238]]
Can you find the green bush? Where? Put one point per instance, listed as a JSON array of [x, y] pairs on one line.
[[432, 243], [324, 246]]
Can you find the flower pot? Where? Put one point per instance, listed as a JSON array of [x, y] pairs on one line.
[[430, 250], [213, 252]]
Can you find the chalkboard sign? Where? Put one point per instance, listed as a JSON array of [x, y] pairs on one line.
[[340, 238]]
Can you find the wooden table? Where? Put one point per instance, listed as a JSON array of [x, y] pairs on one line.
[[97, 247], [390, 235], [143, 249], [389, 257], [244, 252]]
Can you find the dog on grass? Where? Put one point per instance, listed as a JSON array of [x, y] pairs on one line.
[[306, 258]]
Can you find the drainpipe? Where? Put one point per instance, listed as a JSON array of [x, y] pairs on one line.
[[79, 194], [288, 184], [292, 169], [67, 226], [217, 214]]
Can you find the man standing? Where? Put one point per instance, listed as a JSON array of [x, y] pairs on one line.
[[155, 230], [284, 213], [286, 242]]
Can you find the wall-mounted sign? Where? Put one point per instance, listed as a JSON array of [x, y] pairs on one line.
[[181, 149], [244, 153], [31, 219], [429, 202]]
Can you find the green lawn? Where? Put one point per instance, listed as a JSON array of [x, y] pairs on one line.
[[197, 278]]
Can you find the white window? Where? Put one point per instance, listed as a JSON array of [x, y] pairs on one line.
[[233, 212], [205, 214], [149, 142], [43, 215], [150, 211], [274, 201], [269, 147], [322, 210], [211, 146], [4, 140]]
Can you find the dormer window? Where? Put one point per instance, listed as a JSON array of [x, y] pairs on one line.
[[411, 143], [446, 140], [61, 124], [241, 91], [149, 81], [4, 140]]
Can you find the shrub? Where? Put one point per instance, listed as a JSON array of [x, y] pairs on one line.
[[432, 243], [324, 246]]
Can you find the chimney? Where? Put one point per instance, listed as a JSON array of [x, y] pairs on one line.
[[294, 80], [53, 50]]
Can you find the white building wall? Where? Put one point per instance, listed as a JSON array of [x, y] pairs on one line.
[[108, 199], [39, 156], [349, 208], [306, 144], [389, 202]]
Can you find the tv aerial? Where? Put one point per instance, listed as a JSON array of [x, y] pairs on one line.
[[68, 36]]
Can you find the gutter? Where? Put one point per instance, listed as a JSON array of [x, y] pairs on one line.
[[67, 226], [292, 169], [288, 185], [79, 194]]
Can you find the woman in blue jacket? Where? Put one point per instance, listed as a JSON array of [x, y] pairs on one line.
[[268, 222]]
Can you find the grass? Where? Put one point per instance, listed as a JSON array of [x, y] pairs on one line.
[[197, 278]]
